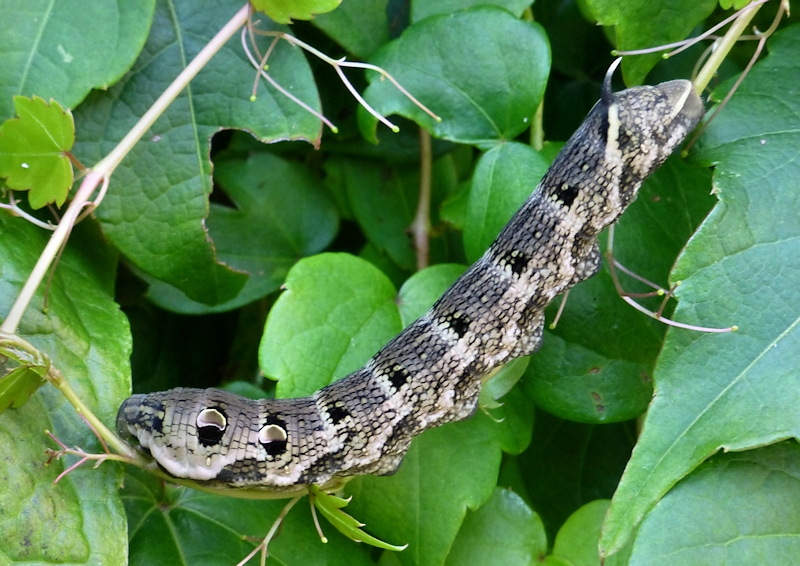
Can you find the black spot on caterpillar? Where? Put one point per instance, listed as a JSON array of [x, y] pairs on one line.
[[430, 374]]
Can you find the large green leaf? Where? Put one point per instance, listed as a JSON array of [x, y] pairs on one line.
[[282, 214], [644, 23], [80, 520], [597, 365], [336, 311], [481, 70], [741, 508], [180, 526], [158, 199], [64, 49], [732, 391]]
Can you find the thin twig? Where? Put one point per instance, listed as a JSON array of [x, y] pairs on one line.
[[686, 43], [560, 310], [277, 523], [260, 68]]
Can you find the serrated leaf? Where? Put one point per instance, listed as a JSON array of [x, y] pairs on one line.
[[81, 520], [46, 49], [32, 148], [283, 11], [176, 525], [485, 91], [360, 26], [740, 390], [337, 306], [17, 386], [157, 204], [597, 365], [503, 531], [282, 214], [643, 23], [741, 508], [504, 178], [331, 507]]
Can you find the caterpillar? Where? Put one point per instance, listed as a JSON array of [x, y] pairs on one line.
[[430, 374]]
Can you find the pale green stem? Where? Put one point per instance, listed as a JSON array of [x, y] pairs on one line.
[[421, 227], [537, 128], [723, 48]]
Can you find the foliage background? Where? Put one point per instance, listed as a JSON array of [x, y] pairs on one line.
[[177, 281]]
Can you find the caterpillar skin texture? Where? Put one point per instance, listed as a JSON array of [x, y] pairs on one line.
[[430, 374]]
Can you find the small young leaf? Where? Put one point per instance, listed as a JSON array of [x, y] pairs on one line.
[[17, 386], [32, 148], [283, 11], [331, 508]]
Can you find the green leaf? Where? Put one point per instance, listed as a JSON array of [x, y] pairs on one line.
[[503, 531], [421, 290], [64, 49], [340, 308], [597, 365], [331, 507], [421, 9], [569, 464], [32, 148], [83, 332], [157, 203], [17, 386], [739, 508], [481, 70], [514, 420], [740, 390], [504, 178], [360, 26], [283, 11], [643, 23], [176, 525], [282, 214], [446, 471], [384, 202], [576, 542]]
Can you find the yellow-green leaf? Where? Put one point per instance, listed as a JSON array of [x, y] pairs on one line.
[[32, 150]]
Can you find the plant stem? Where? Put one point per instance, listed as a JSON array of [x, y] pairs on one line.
[[108, 164], [537, 128], [723, 48], [421, 227]]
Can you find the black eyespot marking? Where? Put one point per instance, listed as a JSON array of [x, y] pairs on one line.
[[273, 436], [459, 323], [517, 261], [158, 424], [337, 414], [567, 194], [211, 424], [398, 376]]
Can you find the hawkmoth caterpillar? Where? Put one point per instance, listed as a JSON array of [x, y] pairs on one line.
[[430, 374]]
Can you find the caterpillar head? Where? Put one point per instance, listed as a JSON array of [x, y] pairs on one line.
[[643, 126]]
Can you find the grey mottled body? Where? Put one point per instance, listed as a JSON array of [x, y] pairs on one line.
[[430, 374]]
